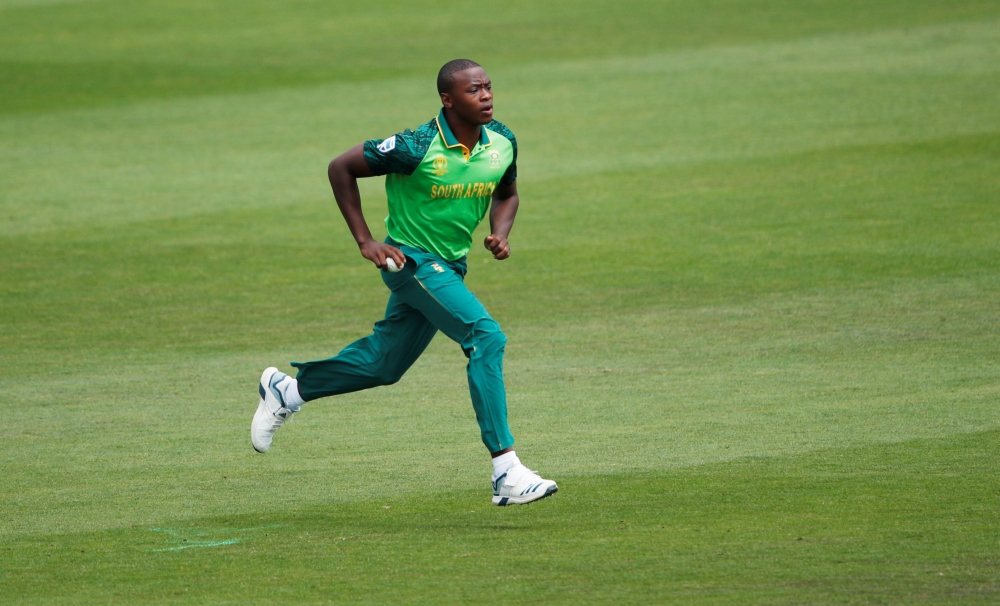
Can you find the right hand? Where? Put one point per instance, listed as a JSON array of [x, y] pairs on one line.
[[377, 252]]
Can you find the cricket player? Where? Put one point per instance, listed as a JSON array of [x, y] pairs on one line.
[[441, 180]]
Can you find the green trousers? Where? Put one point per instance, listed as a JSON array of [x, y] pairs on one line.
[[427, 295]]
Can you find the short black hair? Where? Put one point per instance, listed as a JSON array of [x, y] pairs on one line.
[[446, 77]]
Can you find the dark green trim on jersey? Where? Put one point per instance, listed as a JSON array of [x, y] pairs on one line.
[[509, 175], [409, 148], [438, 190], [449, 138]]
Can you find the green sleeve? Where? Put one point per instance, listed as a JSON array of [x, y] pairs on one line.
[[400, 153], [510, 175]]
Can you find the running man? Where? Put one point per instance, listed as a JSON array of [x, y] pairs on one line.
[[440, 182]]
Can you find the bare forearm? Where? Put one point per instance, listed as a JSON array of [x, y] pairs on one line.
[[345, 189], [502, 214], [344, 172]]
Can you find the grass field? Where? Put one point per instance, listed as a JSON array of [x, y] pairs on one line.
[[753, 306]]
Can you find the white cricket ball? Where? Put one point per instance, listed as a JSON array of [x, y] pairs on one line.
[[391, 265]]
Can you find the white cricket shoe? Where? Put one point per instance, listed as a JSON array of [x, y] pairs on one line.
[[521, 485], [271, 412]]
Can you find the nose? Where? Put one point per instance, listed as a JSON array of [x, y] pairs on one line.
[[486, 94]]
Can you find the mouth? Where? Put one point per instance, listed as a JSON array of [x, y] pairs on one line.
[[488, 111]]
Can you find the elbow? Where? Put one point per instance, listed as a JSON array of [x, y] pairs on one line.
[[338, 170], [348, 165]]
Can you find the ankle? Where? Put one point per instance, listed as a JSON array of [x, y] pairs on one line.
[[503, 463]]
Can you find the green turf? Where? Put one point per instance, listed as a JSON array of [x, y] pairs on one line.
[[752, 309], [875, 523]]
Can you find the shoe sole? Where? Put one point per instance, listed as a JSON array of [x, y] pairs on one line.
[[261, 408], [505, 501]]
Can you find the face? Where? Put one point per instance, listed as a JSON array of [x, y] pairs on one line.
[[471, 96]]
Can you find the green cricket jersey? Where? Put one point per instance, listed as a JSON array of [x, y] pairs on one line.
[[439, 190]]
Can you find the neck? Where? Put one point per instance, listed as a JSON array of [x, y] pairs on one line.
[[467, 134]]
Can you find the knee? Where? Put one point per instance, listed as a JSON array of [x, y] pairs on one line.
[[495, 339], [486, 337], [388, 376]]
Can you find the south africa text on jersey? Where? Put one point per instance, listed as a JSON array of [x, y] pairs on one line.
[[462, 190]]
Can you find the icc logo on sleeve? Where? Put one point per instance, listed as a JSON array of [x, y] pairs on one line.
[[388, 145]]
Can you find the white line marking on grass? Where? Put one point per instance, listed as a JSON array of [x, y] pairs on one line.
[[188, 536], [195, 544]]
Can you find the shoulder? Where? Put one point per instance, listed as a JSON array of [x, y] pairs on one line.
[[510, 175], [423, 136], [402, 152], [413, 142], [501, 129]]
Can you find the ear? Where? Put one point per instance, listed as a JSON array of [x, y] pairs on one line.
[[446, 100]]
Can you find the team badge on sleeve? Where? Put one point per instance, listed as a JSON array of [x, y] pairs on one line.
[[388, 145]]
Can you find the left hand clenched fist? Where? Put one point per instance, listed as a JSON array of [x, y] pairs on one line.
[[498, 246]]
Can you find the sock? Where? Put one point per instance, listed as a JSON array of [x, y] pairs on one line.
[[289, 389], [503, 463]]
